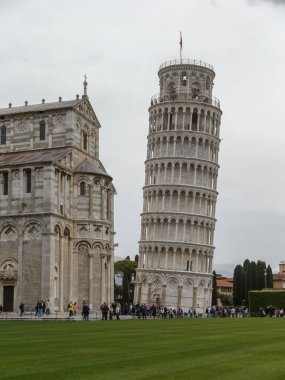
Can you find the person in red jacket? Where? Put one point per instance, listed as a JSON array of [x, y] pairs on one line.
[[105, 310]]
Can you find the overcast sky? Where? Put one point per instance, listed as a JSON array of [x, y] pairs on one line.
[[47, 47]]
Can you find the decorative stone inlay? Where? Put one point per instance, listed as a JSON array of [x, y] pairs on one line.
[[98, 231], [32, 232], [59, 120], [83, 230], [22, 125], [187, 283], [157, 282], [172, 282], [9, 233]]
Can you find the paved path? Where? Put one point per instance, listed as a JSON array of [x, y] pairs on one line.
[[55, 316]]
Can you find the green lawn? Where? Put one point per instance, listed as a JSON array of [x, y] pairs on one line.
[[250, 348]]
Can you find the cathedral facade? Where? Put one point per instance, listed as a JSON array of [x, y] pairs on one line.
[[56, 207], [178, 219]]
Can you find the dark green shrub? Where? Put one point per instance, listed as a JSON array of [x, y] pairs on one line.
[[264, 298]]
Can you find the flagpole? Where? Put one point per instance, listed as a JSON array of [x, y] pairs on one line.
[[180, 43]]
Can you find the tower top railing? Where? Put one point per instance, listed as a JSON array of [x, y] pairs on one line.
[[156, 99], [195, 62]]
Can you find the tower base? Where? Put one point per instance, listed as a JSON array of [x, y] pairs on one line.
[[174, 289]]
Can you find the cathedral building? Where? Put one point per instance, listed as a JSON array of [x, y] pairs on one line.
[[56, 207], [178, 219]]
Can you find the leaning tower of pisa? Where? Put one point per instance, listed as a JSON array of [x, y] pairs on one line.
[[178, 219]]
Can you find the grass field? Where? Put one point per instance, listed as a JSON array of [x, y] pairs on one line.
[[249, 348]]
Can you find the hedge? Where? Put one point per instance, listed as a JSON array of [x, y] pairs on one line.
[[264, 298]]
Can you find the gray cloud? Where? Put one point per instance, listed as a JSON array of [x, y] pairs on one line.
[[275, 2]]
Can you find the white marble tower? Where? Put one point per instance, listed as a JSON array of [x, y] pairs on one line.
[[180, 192]]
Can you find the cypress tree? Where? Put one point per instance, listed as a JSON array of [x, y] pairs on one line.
[[214, 293], [260, 278], [238, 286], [246, 266], [269, 277], [252, 276]]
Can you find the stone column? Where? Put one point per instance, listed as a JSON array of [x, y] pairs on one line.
[[20, 269], [195, 175], [48, 264], [139, 292], [90, 201], [91, 290], [194, 296], [103, 278], [61, 306], [210, 264], [149, 300], [184, 230], [182, 261], [198, 121], [74, 270], [174, 147], [33, 188], [70, 269], [176, 120], [102, 203], [163, 295], [180, 287], [183, 119]]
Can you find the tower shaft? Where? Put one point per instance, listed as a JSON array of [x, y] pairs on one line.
[[178, 219]]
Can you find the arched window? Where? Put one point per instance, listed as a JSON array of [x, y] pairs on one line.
[[207, 83], [184, 79], [82, 188], [42, 130], [5, 183], [3, 135], [84, 140], [194, 121], [28, 178]]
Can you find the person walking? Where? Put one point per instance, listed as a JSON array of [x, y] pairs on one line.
[[21, 307], [70, 309], [85, 311], [117, 312], [105, 310]]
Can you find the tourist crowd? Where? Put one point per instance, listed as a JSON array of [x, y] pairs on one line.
[[144, 311]]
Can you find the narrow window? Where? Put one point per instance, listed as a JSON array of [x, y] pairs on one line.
[[3, 135], [187, 265], [61, 209], [84, 140], [207, 83], [184, 80], [194, 121], [5, 183], [28, 174], [42, 130], [82, 188]]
